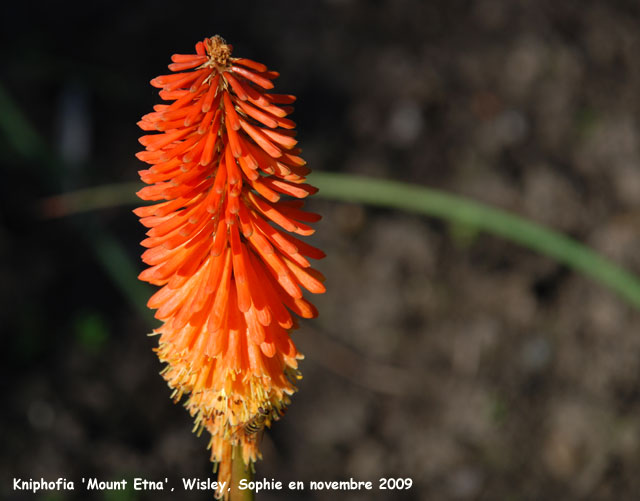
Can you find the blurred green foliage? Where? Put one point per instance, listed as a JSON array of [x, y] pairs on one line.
[[91, 331]]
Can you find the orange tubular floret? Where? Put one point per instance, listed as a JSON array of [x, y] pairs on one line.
[[261, 140], [223, 163], [259, 67], [253, 77]]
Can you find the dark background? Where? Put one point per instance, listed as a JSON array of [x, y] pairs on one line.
[[477, 368]]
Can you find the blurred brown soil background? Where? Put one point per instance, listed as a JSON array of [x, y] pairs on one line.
[[479, 369]]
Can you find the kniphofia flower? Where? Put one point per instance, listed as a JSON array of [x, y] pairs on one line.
[[227, 178]]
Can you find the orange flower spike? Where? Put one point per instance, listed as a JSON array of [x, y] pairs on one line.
[[223, 165]]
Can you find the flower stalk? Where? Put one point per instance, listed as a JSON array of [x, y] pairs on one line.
[[240, 471]]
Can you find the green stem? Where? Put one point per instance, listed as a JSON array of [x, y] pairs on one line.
[[240, 471], [421, 200], [385, 193]]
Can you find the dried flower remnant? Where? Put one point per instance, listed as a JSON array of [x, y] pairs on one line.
[[227, 176]]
